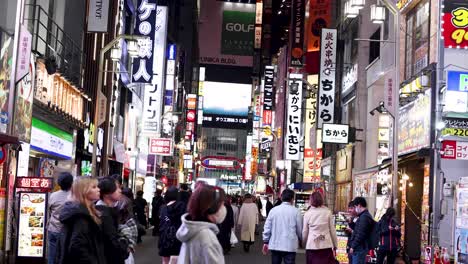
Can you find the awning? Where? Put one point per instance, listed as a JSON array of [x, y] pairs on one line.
[[419, 153], [7, 139]]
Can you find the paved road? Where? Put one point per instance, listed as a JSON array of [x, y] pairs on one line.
[[147, 253]]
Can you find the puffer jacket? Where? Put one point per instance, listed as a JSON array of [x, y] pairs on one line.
[[199, 243], [362, 230], [81, 240]]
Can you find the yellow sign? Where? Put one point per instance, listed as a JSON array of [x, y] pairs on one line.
[[455, 132], [415, 86]]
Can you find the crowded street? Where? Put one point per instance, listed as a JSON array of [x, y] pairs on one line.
[[233, 131]]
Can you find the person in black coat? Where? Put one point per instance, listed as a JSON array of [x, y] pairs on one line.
[[115, 245], [359, 245], [268, 206], [224, 235], [156, 204], [169, 222], [81, 239], [184, 194], [390, 235]]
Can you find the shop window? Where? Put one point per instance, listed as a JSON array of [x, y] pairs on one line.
[[417, 39], [374, 46]]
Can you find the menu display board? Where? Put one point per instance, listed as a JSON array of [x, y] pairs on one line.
[[31, 226], [414, 124], [340, 225]]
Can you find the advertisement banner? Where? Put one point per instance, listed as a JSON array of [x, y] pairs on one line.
[[319, 17], [269, 93], [327, 77], [145, 25], [152, 106], [237, 36], [6, 53], [457, 81], [297, 24], [24, 53], [226, 33], [294, 115], [455, 24], [98, 13], [414, 125], [312, 165], [226, 105], [160, 146], [24, 104]]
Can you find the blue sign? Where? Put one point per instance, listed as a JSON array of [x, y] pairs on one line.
[[145, 26], [172, 52], [457, 81]]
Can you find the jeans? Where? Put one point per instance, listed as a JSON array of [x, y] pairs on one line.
[[359, 256], [52, 239], [277, 257]]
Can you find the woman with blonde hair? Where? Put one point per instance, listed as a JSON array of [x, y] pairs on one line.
[[81, 237], [318, 232]]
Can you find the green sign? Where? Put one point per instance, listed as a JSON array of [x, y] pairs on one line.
[[51, 130], [238, 33]]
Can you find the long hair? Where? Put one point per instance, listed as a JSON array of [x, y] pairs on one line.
[[79, 192]]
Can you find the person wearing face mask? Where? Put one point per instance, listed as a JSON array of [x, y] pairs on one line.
[[115, 244], [226, 226], [359, 245], [199, 227], [169, 221]]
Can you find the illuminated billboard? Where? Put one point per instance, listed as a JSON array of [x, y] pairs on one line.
[[226, 104]]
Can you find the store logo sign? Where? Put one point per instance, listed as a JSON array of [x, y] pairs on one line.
[[457, 81], [237, 27], [237, 37], [455, 24]]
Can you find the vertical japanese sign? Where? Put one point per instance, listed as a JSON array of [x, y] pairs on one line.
[[297, 33], [268, 95], [310, 134], [145, 26], [293, 130], [98, 15], [24, 53], [326, 109], [389, 93], [152, 106], [319, 17]]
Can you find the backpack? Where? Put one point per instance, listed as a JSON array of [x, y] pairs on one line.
[[167, 231], [374, 236]]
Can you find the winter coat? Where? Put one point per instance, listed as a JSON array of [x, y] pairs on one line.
[[319, 229], [199, 243], [156, 204], [361, 232], [268, 206], [248, 218], [184, 197], [389, 239], [224, 235], [115, 245], [81, 239], [140, 207], [169, 222]]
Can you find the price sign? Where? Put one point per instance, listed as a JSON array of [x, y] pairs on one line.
[[455, 26]]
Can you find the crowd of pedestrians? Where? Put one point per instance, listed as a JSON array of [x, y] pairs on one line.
[[97, 221]]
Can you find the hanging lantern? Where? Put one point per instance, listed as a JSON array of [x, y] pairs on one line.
[[377, 14]]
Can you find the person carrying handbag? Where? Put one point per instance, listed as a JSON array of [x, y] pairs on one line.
[[318, 232]]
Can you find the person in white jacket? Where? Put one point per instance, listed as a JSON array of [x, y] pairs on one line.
[[198, 230], [318, 233]]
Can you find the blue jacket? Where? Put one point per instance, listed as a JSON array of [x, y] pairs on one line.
[[361, 232], [283, 228]]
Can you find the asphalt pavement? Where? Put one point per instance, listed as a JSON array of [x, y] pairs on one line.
[[147, 253]]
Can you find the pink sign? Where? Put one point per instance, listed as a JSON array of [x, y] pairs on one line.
[[160, 146], [24, 53]]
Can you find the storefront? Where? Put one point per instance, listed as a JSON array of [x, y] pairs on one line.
[[51, 150]]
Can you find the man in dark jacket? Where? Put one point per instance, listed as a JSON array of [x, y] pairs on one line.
[[156, 204], [268, 206], [359, 245], [224, 235], [184, 194]]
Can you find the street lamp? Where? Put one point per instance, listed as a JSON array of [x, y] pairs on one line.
[[170, 118], [97, 106], [377, 14]]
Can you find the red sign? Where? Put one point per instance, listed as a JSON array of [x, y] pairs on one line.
[[455, 27], [454, 150], [42, 183], [267, 117], [160, 146], [191, 116]]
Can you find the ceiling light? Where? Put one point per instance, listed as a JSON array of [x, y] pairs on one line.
[[116, 53]]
